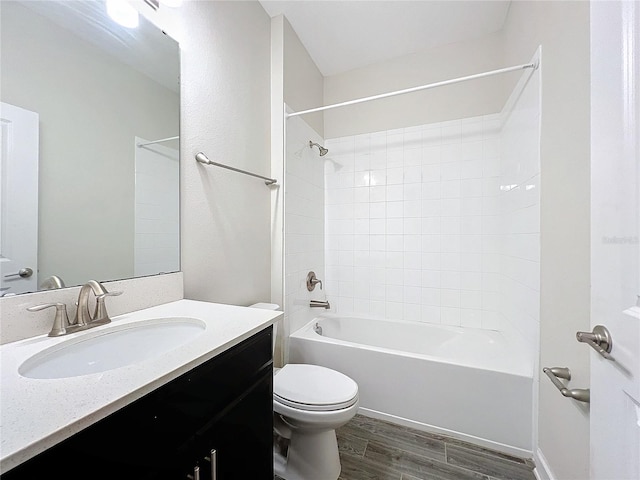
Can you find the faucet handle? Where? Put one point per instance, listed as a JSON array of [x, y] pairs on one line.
[[61, 320], [100, 314], [312, 281], [109, 294]]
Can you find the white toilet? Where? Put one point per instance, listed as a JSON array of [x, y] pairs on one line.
[[309, 403]]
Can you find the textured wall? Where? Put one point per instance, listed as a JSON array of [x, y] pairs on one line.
[[225, 81]]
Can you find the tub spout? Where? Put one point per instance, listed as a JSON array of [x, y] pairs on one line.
[[319, 304]]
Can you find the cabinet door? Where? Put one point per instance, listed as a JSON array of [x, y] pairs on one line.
[[242, 436]]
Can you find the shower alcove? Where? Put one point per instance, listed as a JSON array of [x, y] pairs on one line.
[[433, 223]]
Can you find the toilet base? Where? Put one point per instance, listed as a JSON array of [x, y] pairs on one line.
[[310, 456]]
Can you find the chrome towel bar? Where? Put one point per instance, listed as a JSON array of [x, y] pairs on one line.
[[555, 373], [202, 158]]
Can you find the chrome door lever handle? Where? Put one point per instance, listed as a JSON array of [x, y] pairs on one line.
[[23, 272], [599, 339]]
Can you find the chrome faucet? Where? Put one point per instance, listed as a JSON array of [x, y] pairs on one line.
[[319, 304], [52, 282], [100, 317], [83, 319]]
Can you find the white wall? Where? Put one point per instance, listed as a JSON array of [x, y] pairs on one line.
[[468, 99], [225, 77], [562, 28], [303, 82]]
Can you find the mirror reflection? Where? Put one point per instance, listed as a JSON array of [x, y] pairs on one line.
[[89, 144]]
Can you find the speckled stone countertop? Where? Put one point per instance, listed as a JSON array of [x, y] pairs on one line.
[[36, 414]]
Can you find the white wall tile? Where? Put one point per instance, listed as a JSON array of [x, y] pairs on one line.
[[450, 316], [305, 215], [431, 154], [443, 221], [471, 318]]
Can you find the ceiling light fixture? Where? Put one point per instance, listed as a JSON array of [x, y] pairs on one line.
[[123, 13]]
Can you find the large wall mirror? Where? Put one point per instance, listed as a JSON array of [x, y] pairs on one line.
[[90, 149]]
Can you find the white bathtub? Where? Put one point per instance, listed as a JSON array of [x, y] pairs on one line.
[[466, 383]]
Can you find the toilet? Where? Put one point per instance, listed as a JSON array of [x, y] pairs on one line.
[[309, 403]]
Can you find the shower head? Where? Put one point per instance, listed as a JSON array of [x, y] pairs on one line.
[[323, 151]]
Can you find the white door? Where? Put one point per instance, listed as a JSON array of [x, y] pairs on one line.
[[615, 249], [18, 200]]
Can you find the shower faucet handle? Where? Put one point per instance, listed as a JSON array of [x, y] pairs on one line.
[[312, 281]]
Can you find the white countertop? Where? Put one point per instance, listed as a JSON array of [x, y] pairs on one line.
[[36, 414]]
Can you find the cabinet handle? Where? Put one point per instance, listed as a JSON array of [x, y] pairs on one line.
[[196, 473], [213, 459]]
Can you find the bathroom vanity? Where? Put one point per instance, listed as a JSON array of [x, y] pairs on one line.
[[208, 418]]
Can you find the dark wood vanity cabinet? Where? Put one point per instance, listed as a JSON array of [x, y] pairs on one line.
[[224, 405]]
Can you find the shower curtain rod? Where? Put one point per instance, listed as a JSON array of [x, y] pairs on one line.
[[414, 89], [158, 141]]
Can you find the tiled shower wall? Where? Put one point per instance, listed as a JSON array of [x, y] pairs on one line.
[[412, 219], [304, 223], [520, 211], [438, 223], [157, 209]]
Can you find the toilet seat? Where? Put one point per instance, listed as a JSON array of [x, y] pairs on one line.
[[314, 388]]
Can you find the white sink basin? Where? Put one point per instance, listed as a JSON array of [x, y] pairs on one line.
[[112, 347]]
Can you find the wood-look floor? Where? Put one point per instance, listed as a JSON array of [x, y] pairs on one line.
[[372, 449]]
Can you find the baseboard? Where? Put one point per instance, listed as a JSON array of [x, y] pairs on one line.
[[483, 442], [542, 470]]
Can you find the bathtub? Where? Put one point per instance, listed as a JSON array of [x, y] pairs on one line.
[[467, 383]]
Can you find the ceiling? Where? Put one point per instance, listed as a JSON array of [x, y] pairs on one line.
[[347, 34]]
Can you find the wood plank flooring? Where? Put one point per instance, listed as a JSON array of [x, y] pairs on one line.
[[372, 449]]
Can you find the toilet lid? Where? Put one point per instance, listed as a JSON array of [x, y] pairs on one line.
[[312, 387]]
